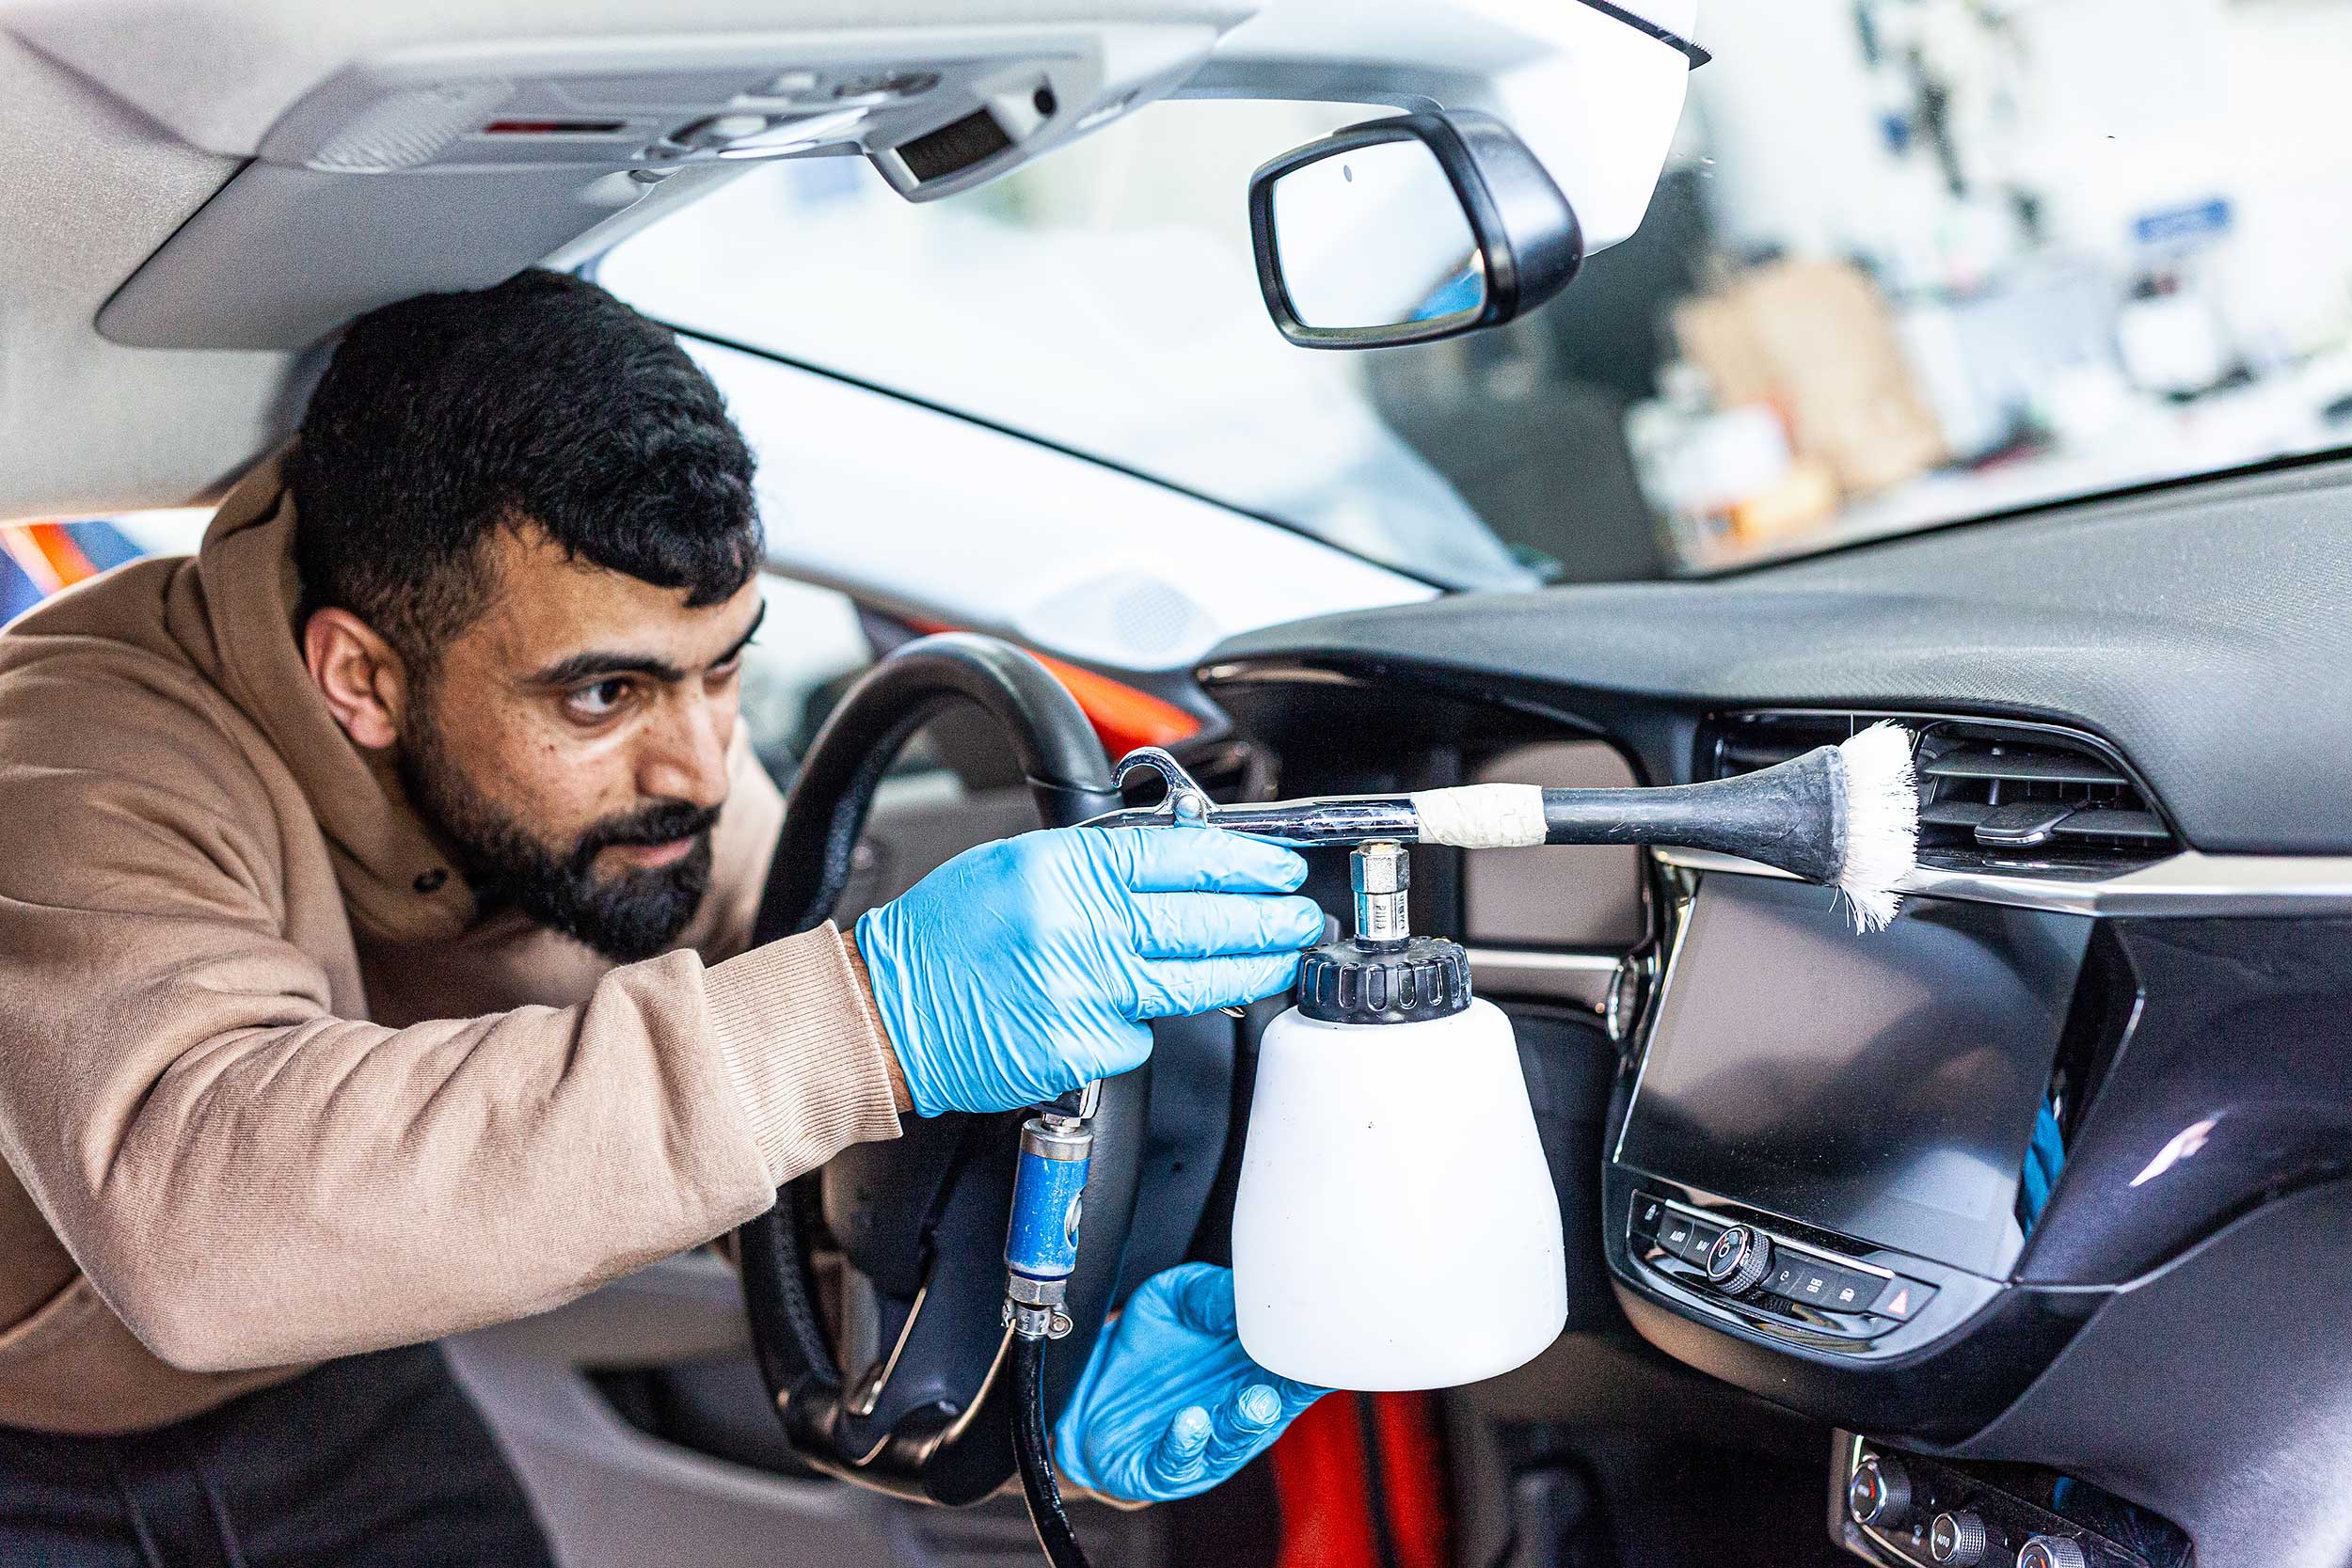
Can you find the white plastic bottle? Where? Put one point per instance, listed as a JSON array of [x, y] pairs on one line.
[[1396, 1225]]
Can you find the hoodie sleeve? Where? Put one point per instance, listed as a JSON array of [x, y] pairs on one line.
[[249, 1180]]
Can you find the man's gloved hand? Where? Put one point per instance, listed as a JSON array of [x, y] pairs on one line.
[[1171, 1404], [1023, 967]]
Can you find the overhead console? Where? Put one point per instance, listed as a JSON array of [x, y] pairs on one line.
[[454, 166]]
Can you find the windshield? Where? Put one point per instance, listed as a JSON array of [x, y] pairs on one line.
[[1914, 261]]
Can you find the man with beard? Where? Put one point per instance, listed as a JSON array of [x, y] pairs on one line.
[[376, 903]]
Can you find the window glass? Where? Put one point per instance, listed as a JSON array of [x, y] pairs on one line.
[[1914, 261], [810, 648]]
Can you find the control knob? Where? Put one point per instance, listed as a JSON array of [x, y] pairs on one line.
[[2052, 1551], [1957, 1539], [1879, 1493], [1738, 1260]]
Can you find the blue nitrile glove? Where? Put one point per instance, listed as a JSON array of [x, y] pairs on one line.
[[1170, 1404], [1023, 967]]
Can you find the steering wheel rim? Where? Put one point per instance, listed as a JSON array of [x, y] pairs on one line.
[[921, 1220]]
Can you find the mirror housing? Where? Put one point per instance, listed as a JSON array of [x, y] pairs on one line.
[[1520, 238]]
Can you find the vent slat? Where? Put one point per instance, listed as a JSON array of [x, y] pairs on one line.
[[2024, 824], [2037, 767], [2114, 824], [1754, 757]]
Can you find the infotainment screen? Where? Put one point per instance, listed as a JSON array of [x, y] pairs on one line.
[[1881, 1086]]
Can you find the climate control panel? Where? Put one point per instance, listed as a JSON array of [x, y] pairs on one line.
[[1903, 1510], [1801, 1284]]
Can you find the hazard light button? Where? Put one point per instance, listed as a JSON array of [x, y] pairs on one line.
[[1902, 1299]]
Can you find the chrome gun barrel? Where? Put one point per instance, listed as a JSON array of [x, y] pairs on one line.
[[1295, 824]]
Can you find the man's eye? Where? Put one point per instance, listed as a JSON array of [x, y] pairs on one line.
[[600, 701]]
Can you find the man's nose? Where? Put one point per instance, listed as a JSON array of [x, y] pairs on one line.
[[685, 758]]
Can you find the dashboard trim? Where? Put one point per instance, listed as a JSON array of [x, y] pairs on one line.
[[2183, 885], [1583, 979]]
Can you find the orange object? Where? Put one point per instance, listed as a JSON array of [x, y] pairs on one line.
[[46, 553], [1123, 718]]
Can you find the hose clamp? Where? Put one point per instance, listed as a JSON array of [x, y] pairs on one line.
[[1036, 1323]]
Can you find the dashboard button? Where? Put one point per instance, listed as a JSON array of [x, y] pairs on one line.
[[1674, 1233], [1812, 1285], [1879, 1493], [1738, 1260], [1647, 1211], [1899, 1299], [1702, 1238], [1957, 1540], [1850, 1290], [2050, 1551]]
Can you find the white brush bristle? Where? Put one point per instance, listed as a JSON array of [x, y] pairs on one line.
[[1882, 823]]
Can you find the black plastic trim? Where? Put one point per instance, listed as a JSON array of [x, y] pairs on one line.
[[2204, 636]]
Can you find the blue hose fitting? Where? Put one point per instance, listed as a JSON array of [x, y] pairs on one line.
[[1041, 1240]]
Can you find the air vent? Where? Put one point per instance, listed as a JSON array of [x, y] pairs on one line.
[[1993, 795]]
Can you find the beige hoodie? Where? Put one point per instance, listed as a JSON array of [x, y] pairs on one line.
[[270, 1090]]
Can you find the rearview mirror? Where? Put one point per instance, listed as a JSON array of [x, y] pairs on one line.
[[1408, 230]]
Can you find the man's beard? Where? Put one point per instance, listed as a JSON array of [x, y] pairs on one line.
[[632, 915]]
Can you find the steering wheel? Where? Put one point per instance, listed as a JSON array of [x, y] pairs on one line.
[[920, 1221]]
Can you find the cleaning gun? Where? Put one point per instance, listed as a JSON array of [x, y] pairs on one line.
[[1844, 816]]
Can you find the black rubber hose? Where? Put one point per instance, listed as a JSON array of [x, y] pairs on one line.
[[1037, 1456]]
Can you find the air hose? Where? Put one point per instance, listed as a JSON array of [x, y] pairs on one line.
[[1040, 1254], [1037, 1456]]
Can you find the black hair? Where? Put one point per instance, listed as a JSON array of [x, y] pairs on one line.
[[544, 402]]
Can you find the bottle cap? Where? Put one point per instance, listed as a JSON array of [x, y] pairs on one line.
[[1410, 982]]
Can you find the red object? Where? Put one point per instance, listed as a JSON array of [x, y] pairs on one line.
[[1123, 718], [554, 127], [1322, 1482]]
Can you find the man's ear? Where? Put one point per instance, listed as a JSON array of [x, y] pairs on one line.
[[364, 681]]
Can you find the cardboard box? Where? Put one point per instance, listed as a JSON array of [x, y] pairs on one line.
[[1816, 341]]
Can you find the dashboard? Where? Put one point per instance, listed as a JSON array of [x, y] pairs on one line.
[[2043, 1198]]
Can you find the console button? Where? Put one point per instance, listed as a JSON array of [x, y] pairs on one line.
[[1702, 1243], [2052, 1551], [1647, 1211], [1674, 1233], [1812, 1285], [1782, 1279], [1850, 1290], [1879, 1493], [1957, 1539], [1901, 1298]]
